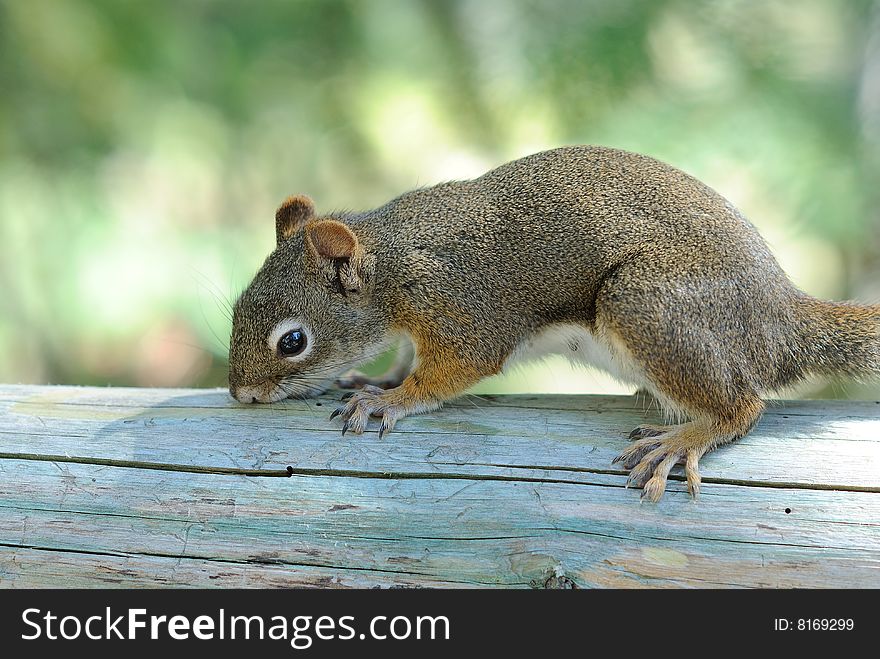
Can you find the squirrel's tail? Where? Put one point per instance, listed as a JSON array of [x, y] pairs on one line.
[[842, 338]]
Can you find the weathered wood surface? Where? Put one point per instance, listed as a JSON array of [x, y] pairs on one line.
[[134, 487]]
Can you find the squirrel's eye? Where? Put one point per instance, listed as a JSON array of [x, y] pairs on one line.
[[292, 343]]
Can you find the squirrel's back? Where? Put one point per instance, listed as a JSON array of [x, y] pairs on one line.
[[627, 204], [528, 226]]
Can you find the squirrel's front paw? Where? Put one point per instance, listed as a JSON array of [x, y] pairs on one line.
[[369, 401]]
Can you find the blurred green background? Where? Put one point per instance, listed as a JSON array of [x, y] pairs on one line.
[[144, 146]]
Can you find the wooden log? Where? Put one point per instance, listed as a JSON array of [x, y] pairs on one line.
[[136, 487]]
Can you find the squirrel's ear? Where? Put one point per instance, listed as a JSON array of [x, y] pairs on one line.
[[339, 257], [292, 215], [332, 240]]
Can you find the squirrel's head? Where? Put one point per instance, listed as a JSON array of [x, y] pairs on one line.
[[306, 317]]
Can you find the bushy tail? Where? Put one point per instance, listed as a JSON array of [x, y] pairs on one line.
[[842, 338]]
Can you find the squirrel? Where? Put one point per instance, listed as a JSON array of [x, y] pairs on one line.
[[599, 254]]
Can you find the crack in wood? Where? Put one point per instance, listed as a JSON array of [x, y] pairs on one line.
[[409, 475], [292, 471], [784, 485]]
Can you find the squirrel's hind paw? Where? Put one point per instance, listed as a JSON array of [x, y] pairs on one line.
[[361, 405], [651, 458]]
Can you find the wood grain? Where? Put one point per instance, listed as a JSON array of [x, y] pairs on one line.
[[137, 487]]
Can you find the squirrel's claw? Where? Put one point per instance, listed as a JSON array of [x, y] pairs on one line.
[[387, 424], [645, 431], [369, 401], [634, 454]]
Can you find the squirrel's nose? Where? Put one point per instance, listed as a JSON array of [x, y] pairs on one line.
[[243, 394]]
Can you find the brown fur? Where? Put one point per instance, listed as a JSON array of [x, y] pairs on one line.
[[653, 262], [293, 213]]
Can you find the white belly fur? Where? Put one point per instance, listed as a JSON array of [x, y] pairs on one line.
[[579, 345]]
